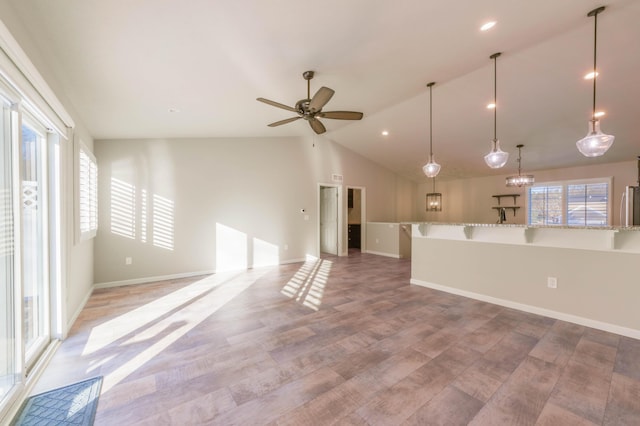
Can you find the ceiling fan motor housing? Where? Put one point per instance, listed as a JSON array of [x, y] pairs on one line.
[[303, 109]]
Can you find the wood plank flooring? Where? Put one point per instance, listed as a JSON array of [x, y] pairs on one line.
[[339, 341]]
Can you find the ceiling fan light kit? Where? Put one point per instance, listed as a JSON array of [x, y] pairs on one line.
[[310, 108], [596, 143]]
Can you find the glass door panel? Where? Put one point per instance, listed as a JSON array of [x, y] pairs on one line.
[[35, 242]]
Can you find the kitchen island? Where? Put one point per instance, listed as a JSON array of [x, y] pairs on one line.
[[589, 276]]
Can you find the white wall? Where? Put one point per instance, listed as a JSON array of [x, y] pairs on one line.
[[470, 200], [231, 198]]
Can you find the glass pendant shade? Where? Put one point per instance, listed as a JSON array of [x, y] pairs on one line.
[[434, 202], [431, 169], [595, 143], [497, 157]]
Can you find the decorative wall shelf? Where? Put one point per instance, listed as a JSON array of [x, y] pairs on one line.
[[513, 208], [500, 196]]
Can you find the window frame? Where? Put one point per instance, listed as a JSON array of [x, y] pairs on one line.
[[608, 180]]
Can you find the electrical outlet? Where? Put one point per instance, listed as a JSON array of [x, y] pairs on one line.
[[552, 282], [286, 247], [128, 260]]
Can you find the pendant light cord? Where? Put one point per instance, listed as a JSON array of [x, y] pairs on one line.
[[595, 13], [519, 160], [595, 73], [430, 85], [495, 96]]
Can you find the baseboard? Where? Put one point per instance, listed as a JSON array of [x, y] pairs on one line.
[[379, 253], [587, 322], [145, 280], [76, 314], [286, 262]]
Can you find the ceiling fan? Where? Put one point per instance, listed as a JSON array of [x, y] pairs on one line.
[[311, 108]]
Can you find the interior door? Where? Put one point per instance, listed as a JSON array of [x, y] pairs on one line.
[[329, 220]]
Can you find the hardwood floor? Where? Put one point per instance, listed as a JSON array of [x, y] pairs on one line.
[[339, 341]]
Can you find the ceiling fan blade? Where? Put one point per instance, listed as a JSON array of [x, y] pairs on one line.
[[317, 126], [341, 115], [277, 104], [320, 99], [281, 122]]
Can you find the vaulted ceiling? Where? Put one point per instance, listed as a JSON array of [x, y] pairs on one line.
[[125, 65]]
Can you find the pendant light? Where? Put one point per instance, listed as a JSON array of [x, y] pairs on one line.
[[595, 143], [520, 180], [434, 199], [431, 169], [497, 157]]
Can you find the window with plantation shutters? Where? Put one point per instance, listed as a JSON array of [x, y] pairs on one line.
[[88, 193], [570, 203]]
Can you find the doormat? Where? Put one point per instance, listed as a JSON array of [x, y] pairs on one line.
[[70, 405]]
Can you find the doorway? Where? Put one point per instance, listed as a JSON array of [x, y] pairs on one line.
[[355, 219], [329, 229]]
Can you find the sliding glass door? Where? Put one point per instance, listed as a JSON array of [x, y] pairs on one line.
[[27, 166]]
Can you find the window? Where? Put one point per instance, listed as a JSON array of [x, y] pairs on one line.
[[88, 193], [572, 203]]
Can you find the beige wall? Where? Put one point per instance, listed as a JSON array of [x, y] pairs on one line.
[[231, 198], [389, 239], [470, 201]]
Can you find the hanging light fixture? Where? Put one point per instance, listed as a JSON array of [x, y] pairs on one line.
[[497, 157], [520, 179], [434, 199], [595, 143], [431, 169]]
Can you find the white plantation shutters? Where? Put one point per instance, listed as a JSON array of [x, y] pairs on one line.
[[88, 196]]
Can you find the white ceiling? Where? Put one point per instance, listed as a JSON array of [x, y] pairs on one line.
[[123, 64]]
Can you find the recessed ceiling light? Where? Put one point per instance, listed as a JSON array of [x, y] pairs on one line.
[[385, 133], [491, 105], [488, 26], [174, 110], [599, 114], [589, 76]]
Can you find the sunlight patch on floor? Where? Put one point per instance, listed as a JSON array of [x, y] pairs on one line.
[[165, 320], [308, 284]]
